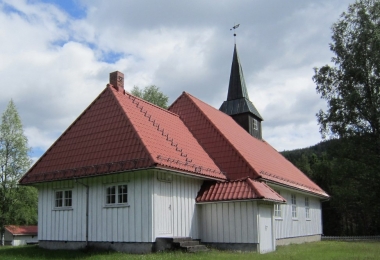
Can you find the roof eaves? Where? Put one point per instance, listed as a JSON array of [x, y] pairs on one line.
[[318, 193]]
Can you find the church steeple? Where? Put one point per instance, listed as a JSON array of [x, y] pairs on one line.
[[238, 104], [236, 88]]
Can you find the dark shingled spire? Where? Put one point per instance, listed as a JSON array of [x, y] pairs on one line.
[[237, 88], [237, 99]]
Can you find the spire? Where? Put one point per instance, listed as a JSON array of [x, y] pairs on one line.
[[238, 105], [237, 99], [237, 88]]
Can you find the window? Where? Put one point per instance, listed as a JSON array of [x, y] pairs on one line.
[[63, 199], [255, 124], [294, 206], [116, 194], [307, 208], [277, 209]]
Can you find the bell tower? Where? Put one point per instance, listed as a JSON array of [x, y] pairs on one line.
[[238, 105]]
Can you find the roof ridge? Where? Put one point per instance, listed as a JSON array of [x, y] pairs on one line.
[[156, 125], [220, 133], [113, 90], [151, 104]]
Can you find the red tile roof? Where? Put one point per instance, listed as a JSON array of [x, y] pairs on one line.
[[22, 230], [245, 189], [234, 150], [119, 132]]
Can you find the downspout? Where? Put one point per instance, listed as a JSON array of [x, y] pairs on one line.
[[87, 208]]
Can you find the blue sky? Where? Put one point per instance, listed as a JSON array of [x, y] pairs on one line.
[[56, 57]]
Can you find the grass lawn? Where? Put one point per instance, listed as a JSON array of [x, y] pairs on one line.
[[316, 250]]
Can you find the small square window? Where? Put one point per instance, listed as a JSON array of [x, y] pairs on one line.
[[63, 198], [117, 194]]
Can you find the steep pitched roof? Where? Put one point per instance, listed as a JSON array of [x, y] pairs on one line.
[[22, 230], [234, 150], [237, 98], [119, 132], [244, 189]]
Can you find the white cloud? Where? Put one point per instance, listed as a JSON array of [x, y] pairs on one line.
[[53, 64]]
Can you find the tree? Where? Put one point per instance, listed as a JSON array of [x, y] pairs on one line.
[[352, 86], [151, 94], [17, 204]]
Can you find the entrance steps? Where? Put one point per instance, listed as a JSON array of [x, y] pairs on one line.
[[188, 244]]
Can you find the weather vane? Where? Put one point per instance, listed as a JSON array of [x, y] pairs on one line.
[[233, 28]]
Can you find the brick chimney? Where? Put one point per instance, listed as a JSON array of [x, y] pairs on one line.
[[117, 80]]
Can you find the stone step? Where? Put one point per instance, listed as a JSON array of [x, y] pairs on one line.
[[188, 243], [197, 248], [180, 239]]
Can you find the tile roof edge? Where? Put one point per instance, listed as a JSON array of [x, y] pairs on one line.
[[64, 132], [217, 129], [296, 168], [318, 194], [113, 91]]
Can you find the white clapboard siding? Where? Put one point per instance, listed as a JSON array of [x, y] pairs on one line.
[[183, 208], [286, 226], [115, 224], [228, 222]]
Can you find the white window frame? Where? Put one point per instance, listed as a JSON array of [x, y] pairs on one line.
[[294, 206], [117, 199], [278, 209], [307, 208], [255, 124], [66, 199]]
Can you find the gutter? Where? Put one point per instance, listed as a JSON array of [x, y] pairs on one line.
[[87, 207]]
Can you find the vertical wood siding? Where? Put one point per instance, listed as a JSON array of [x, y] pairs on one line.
[[184, 211], [289, 227], [230, 222], [113, 224]]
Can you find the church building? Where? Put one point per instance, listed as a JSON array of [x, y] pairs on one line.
[[130, 176]]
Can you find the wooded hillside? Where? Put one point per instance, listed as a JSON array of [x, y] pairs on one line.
[[352, 184]]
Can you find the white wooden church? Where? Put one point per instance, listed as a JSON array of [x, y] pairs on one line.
[[130, 176]]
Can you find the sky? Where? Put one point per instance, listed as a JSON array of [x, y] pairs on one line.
[[56, 56]]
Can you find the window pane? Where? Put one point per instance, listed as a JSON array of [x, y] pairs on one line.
[[68, 198], [58, 198], [123, 194], [111, 194]]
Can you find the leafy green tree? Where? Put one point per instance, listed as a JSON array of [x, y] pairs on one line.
[[352, 86], [18, 205], [151, 94]]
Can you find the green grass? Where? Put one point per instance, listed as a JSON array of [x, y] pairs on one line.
[[316, 250]]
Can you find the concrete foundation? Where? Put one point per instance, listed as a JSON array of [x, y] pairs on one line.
[[233, 246], [297, 240], [67, 245], [133, 248]]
